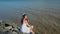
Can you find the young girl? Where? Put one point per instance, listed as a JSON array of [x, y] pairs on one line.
[[26, 28]]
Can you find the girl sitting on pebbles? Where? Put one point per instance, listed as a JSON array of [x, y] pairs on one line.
[[25, 27]]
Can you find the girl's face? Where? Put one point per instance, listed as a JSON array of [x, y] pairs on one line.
[[25, 17]]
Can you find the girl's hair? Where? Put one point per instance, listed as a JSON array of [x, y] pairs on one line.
[[23, 16]]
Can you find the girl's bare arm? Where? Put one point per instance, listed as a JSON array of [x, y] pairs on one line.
[[28, 25]]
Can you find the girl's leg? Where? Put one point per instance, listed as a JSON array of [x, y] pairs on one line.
[[31, 29], [32, 32]]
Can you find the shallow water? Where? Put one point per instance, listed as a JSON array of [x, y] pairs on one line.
[[10, 8]]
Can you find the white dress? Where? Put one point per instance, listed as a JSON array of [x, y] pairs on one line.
[[25, 29]]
